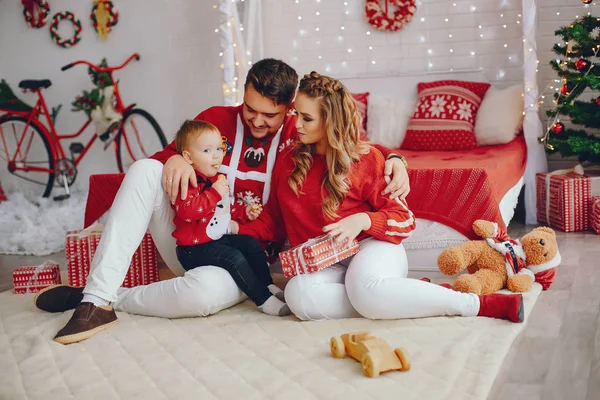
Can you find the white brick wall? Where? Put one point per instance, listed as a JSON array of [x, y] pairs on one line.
[[489, 28], [423, 46], [179, 73]]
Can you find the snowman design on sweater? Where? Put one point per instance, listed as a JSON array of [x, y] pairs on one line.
[[219, 223], [204, 215]]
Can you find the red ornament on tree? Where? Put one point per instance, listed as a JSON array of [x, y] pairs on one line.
[[598, 100], [582, 64], [587, 1], [565, 89], [558, 128]]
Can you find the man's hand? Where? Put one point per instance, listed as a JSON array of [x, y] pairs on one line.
[[253, 211], [178, 174], [399, 186], [222, 186], [348, 228]]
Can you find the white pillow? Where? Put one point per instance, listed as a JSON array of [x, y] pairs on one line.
[[500, 116], [387, 119]]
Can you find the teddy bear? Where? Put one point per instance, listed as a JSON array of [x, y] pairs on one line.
[[498, 261]]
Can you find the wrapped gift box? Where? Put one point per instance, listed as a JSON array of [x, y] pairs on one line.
[[32, 279], [595, 214], [81, 246], [563, 201], [314, 255]]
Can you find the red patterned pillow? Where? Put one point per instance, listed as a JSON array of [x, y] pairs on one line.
[[445, 116], [362, 101]]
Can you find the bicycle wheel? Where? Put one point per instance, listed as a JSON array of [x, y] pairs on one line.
[[139, 137], [32, 172]]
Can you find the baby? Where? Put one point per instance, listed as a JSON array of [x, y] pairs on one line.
[[202, 221]]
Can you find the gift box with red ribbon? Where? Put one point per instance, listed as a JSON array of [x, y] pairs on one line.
[[81, 246], [32, 279], [595, 214], [563, 200], [314, 255]]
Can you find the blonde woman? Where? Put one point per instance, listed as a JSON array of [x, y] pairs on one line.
[[331, 181]]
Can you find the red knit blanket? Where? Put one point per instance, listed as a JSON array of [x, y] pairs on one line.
[[453, 197]]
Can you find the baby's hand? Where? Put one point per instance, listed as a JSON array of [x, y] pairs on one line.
[[221, 186], [253, 211]]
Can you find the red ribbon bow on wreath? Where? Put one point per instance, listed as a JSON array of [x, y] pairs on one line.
[[35, 12], [384, 21]]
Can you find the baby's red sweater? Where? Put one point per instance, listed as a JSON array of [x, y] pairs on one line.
[[194, 214]]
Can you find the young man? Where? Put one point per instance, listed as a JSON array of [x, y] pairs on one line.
[[257, 131]]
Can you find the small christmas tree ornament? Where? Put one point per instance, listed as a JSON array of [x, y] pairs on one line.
[[558, 128], [565, 89], [587, 1], [598, 100], [582, 64], [36, 12], [104, 17]]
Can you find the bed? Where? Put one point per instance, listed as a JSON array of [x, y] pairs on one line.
[[503, 168], [449, 189]]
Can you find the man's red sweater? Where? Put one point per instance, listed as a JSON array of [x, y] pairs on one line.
[[249, 181], [195, 214], [301, 216]]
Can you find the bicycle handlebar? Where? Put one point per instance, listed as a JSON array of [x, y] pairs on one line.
[[101, 69]]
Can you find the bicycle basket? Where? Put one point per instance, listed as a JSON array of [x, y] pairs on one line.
[[10, 102]]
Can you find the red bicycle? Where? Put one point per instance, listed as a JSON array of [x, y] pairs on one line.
[[33, 151]]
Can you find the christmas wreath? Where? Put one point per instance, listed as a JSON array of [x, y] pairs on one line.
[[104, 16], [35, 12], [69, 16], [384, 21]]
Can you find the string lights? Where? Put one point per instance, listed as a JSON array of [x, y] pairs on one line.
[[312, 22]]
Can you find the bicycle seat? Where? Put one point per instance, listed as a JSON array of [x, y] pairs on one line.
[[33, 84]]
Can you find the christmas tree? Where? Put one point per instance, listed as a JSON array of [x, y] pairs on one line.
[[579, 71]]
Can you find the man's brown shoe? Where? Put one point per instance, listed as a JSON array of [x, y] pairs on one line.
[[87, 320], [58, 298]]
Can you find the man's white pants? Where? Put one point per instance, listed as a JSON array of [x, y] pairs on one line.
[[141, 204]]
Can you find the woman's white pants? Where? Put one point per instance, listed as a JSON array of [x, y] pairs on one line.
[[373, 284]]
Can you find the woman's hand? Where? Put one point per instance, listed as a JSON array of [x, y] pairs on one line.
[[399, 186], [253, 211], [347, 229], [178, 174]]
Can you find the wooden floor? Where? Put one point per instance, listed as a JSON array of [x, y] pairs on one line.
[[557, 357]]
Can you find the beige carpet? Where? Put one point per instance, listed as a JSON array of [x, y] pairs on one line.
[[243, 354]]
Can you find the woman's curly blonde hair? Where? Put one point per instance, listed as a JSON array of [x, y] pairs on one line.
[[341, 123]]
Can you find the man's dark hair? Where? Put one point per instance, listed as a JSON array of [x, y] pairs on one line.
[[273, 79]]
